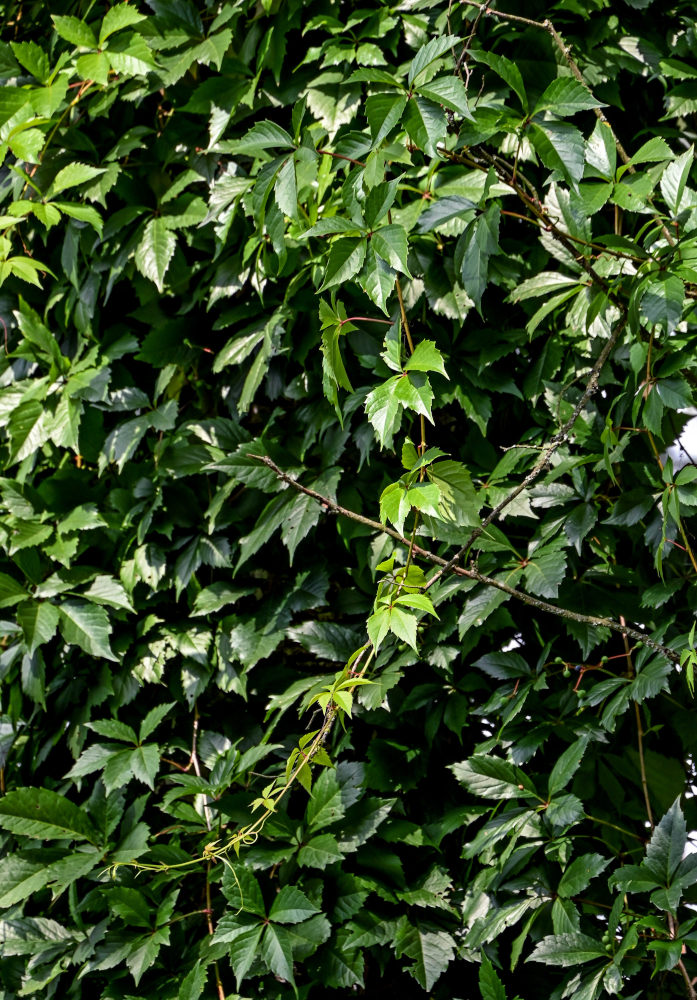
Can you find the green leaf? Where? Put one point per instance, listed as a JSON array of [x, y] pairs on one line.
[[448, 91], [544, 572], [426, 358], [428, 53], [39, 621], [277, 952], [403, 625], [419, 601], [302, 516], [27, 429], [567, 950], [291, 906], [346, 258], [264, 135], [384, 112], [424, 497], [493, 778], [109, 591], [662, 302], [144, 952], [377, 279], [567, 765], [654, 150], [477, 244], [117, 18], [244, 948], [431, 951], [319, 852], [20, 878], [73, 175], [217, 596], [194, 983], [458, 500], [394, 505], [87, 626], [75, 31], [565, 96], [490, 986], [44, 815], [383, 410], [667, 845], [601, 151], [674, 178], [11, 592], [33, 58], [155, 251], [153, 719], [507, 70], [560, 146], [286, 189], [580, 874], [425, 124], [145, 763], [444, 210], [414, 392], [390, 242]]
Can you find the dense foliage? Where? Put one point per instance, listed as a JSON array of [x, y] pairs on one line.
[[343, 352]]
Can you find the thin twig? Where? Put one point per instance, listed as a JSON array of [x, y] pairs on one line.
[[211, 930], [472, 573], [640, 733], [340, 156], [688, 982]]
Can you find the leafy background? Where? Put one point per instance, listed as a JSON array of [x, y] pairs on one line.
[[210, 214]]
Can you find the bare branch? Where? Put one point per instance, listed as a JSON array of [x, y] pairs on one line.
[[472, 573]]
